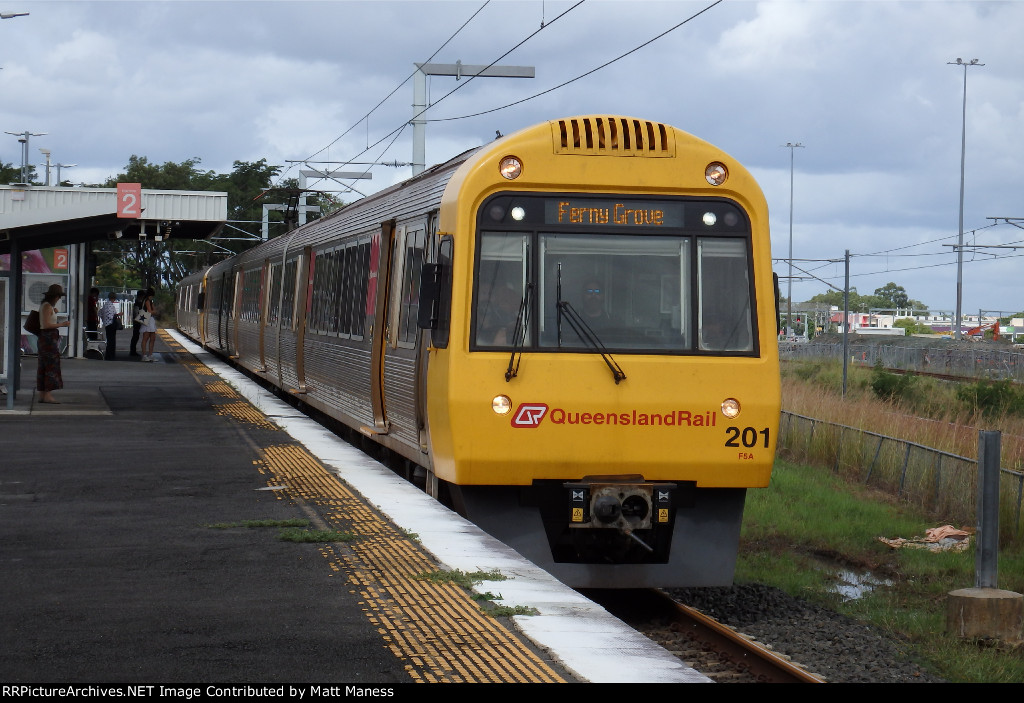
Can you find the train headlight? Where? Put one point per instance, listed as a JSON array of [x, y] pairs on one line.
[[510, 167], [501, 404], [730, 407], [710, 219], [716, 173], [518, 213]]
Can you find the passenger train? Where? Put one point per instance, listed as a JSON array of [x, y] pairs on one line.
[[571, 330]]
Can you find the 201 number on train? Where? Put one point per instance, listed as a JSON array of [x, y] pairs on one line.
[[748, 436]]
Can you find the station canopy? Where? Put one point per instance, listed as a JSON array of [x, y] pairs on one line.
[[39, 217]]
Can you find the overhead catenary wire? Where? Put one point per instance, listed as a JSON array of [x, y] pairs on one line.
[[366, 116], [544, 25], [582, 75]]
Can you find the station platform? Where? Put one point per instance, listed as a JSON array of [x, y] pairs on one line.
[[174, 522]]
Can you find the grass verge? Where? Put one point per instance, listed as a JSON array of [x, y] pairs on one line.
[[809, 520]]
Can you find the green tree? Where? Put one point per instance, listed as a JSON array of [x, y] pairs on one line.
[[889, 296], [9, 173], [912, 326], [835, 297], [892, 295], [161, 265]]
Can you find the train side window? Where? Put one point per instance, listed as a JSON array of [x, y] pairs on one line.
[[289, 285], [336, 293], [250, 295], [274, 300], [412, 265], [347, 289], [358, 288]]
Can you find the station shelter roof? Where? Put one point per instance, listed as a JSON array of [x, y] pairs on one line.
[[48, 216]]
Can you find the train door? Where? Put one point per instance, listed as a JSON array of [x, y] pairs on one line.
[[264, 299], [304, 299], [380, 266], [429, 255], [224, 310], [397, 373], [238, 284], [201, 312]]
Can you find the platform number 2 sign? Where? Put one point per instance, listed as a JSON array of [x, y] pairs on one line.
[[129, 200]]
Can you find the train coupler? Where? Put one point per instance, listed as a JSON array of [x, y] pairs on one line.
[[626, 503]]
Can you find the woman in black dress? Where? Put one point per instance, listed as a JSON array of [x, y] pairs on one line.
[[48, 378]]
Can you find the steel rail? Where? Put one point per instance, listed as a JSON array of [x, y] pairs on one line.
[[764, 664]]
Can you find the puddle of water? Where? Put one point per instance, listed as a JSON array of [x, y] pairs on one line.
[[852, 585]]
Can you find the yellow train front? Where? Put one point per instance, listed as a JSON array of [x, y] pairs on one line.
[[570, 331], [602, 376]]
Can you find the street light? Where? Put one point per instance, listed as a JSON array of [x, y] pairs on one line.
[[46, 153], [789, 286], [59, 167], [960, 239], [9, 15], [23, 138]]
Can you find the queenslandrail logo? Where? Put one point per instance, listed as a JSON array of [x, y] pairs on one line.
[[530, 415]]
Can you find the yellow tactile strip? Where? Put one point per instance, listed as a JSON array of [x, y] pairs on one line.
[[436, 629]]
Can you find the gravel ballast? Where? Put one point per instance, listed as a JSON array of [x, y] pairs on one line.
[[833, 646]]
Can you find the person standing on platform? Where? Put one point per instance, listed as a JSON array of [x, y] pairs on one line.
[[48, 378], [148, 326], [110, 317], [136, 322], [92, 310]]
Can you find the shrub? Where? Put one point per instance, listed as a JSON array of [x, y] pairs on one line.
[[892, 386], [992, 398]]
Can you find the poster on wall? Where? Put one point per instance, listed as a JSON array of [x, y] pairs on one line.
[[40, 269]]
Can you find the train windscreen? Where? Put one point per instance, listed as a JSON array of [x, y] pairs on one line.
[[648, 285]]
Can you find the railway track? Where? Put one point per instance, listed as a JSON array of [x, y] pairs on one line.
[[717, 651]]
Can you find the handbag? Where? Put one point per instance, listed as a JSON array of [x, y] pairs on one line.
[[32, 323], [118, 325]]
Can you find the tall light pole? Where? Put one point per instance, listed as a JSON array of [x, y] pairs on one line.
[[46, 153], [789, 286], [59, 167], [960, 239], [23, 138]]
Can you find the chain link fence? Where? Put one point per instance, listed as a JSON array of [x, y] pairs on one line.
[[953, 359], [942, 483]]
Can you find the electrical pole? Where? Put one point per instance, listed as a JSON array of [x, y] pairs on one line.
[[419, 97], [789, 286], [960, 239]]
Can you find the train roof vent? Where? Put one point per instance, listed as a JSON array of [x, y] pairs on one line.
[[613, 136]]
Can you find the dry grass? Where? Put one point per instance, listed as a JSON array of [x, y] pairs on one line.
[[932, 417]]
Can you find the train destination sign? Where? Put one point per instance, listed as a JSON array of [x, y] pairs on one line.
[[614, 213]]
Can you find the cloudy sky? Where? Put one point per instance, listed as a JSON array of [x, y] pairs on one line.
[[865, 87]]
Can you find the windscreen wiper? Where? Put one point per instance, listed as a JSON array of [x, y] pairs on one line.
[[589, 337], [519, 335]]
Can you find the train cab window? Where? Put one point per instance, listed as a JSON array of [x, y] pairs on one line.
[[613, 274], [629, 291], [500, 289], [725, 316]]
